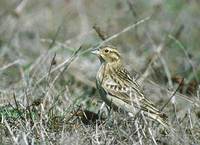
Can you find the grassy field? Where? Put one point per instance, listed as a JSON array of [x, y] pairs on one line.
[[47, 73]]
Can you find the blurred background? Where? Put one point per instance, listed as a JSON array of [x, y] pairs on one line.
[[36, 36]]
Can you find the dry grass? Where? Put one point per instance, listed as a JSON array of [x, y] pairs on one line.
[[47, 74]]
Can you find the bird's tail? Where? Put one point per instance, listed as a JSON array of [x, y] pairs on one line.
[[152, 112], [160, 118]]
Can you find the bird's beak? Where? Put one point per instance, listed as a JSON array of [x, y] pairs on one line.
[[95, 51]]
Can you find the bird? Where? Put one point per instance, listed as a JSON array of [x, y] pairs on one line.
[[119, 89]]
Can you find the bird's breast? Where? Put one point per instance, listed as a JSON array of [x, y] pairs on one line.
[[100, 74], [99, 80]]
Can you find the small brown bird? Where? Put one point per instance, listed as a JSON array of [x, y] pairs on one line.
[[118, 88]]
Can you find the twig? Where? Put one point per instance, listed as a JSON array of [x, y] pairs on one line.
[[10, 65], [66, 63], [20, 7], [55, 101], [134, 14], [57, 43], [56, 35], [176, 34], [17, 107], [52, 43], [29, 110], [167, 71], [151, 134], [100, 33], [153, 84], [186, 54], [190, 119], [52, 63], [180, 84], [131, 7], [155, 57], [82, 78], [138, 131], [116, 35], [15, 101], [125, 30], [168, 74]]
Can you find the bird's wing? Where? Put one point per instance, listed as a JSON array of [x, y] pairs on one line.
[[124, 76], [122, 86], [145, 103], [116, 90]]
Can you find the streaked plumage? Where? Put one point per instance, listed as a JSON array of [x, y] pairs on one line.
[[117, 87]]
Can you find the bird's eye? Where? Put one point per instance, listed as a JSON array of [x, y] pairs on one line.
[[106, 50]]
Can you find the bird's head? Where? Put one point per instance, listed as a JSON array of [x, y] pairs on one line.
[[107, 54]]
